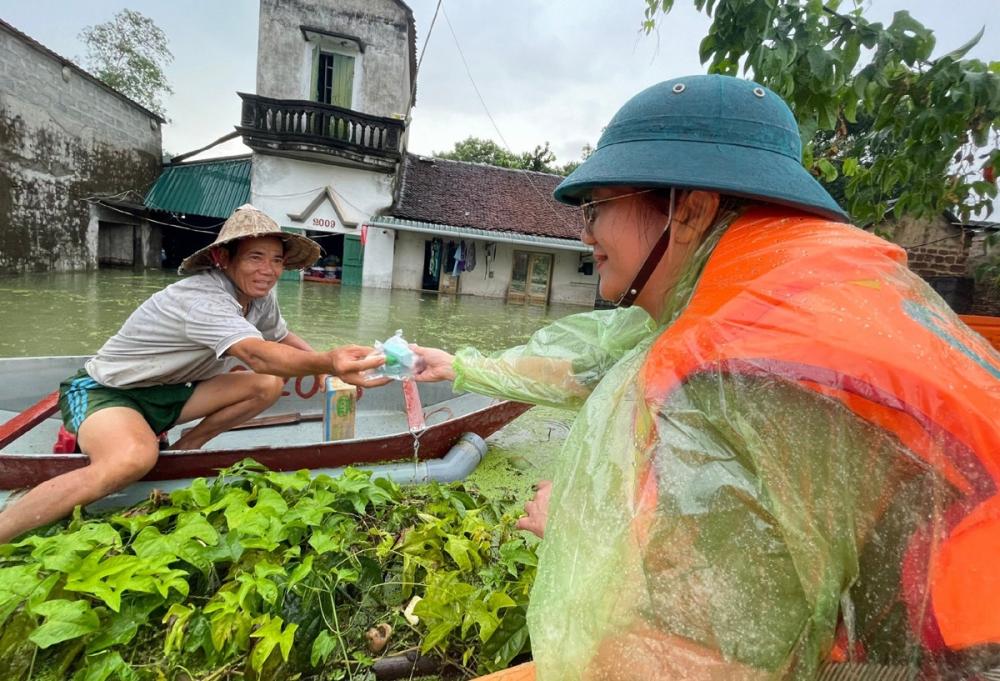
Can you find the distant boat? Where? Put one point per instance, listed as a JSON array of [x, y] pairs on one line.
[[287, 437]]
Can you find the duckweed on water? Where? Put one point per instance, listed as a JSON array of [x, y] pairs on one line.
[[265, 575]]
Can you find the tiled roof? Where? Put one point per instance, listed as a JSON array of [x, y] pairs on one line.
[[212, 188], [483, 197]]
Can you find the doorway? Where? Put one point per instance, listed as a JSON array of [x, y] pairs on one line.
[[530, 278], [117, 244], [433, 256]]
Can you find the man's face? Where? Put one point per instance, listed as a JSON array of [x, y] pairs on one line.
[[256, 266]]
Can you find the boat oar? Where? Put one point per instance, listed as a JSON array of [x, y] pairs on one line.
[[29, 418]]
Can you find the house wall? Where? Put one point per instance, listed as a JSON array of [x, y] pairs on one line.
[[282, 187], [986, 296], [63, 138], [934, 248], [284, 56], [491, 281]]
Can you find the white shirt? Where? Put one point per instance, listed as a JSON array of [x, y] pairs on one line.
[[181, 333]]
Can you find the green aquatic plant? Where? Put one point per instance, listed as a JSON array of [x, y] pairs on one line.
[[257, 574]]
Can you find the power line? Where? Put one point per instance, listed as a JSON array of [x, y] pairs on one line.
[[546, 199]]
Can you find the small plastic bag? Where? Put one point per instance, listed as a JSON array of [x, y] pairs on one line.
[[400, 361]]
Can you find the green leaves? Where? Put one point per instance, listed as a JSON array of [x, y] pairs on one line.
[[271, 635], [905, 122], [323, 645], [232, 572], [130, 54], [64, 620]]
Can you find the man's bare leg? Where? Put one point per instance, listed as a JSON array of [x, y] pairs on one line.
[[121, 447], [226, 401]]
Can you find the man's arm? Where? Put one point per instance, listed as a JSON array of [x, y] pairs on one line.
[[295, 341], [348, 362]]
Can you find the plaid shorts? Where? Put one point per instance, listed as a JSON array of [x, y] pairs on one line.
[[161, 405]]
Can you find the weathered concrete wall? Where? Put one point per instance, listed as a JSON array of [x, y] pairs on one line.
[[62, 138], [285, 57], [286, 187]]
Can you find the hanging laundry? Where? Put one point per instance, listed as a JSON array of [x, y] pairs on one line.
[[470, 257], [490, 251], [434, 262], [449, 261], [457, 269]]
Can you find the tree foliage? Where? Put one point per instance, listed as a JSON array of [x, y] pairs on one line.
[[129, 53], [874, 110], [479, 150]]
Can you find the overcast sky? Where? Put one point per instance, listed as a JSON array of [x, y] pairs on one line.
[[548, 70]]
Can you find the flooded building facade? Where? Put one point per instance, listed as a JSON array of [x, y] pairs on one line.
[[335, 83], [65, 138]]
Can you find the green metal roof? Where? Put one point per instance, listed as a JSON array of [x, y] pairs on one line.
[[212, 188]]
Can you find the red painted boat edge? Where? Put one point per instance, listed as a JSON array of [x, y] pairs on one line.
[[29, 418], [19, 471]]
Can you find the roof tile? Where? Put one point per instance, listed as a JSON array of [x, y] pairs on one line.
[[474, 195]]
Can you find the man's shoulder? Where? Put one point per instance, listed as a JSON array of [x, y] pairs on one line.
[[201, 289]]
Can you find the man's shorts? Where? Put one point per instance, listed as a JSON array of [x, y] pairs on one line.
[[161, 405]]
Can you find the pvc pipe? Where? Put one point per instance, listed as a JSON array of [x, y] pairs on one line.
[[456, 465]]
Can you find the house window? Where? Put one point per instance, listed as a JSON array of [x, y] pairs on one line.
[[334, 79]]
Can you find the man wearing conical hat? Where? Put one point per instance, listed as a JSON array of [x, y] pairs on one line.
[[167, 365]]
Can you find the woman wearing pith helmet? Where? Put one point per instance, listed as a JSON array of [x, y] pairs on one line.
[[786, 451]]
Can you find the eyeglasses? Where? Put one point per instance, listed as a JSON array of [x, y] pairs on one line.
[[589, 208]]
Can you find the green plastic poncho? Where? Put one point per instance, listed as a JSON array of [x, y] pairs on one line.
[[781, 520]]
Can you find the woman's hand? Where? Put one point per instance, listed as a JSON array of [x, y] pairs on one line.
[[536, 511], [435, 364]]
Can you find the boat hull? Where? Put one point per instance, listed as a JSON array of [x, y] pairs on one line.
[[383, 434]]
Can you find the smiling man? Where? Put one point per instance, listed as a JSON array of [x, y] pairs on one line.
[[167, 365]]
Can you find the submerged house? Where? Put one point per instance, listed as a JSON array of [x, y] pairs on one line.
[[66, 138], [481, 230], [328, 127]]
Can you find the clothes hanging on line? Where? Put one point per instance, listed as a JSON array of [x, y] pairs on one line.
[[490, 252], [470, 256], [457, 269], [434, 262]]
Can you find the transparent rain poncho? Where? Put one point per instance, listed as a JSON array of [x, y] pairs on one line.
[[724, 508]]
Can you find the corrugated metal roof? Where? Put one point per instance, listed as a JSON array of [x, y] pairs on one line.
[[212, 188], [480, 234]]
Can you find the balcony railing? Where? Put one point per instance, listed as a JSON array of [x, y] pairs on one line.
[[291, 123]]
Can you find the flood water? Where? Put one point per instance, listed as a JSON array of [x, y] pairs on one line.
[[74, 313]]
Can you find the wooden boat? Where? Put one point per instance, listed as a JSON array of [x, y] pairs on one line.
[[287, 437], [987, 327], [320, 280]]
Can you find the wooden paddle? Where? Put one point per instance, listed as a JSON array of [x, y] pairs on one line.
[[29, 418]]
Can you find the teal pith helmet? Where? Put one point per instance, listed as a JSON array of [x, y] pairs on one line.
[[704, 132]]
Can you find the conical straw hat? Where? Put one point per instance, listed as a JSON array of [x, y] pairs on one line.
[[247, 221]]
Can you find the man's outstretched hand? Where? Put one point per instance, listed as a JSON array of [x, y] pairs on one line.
[[352, 362]]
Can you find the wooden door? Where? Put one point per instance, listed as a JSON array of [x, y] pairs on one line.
[[353, 261], [530, 277]]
